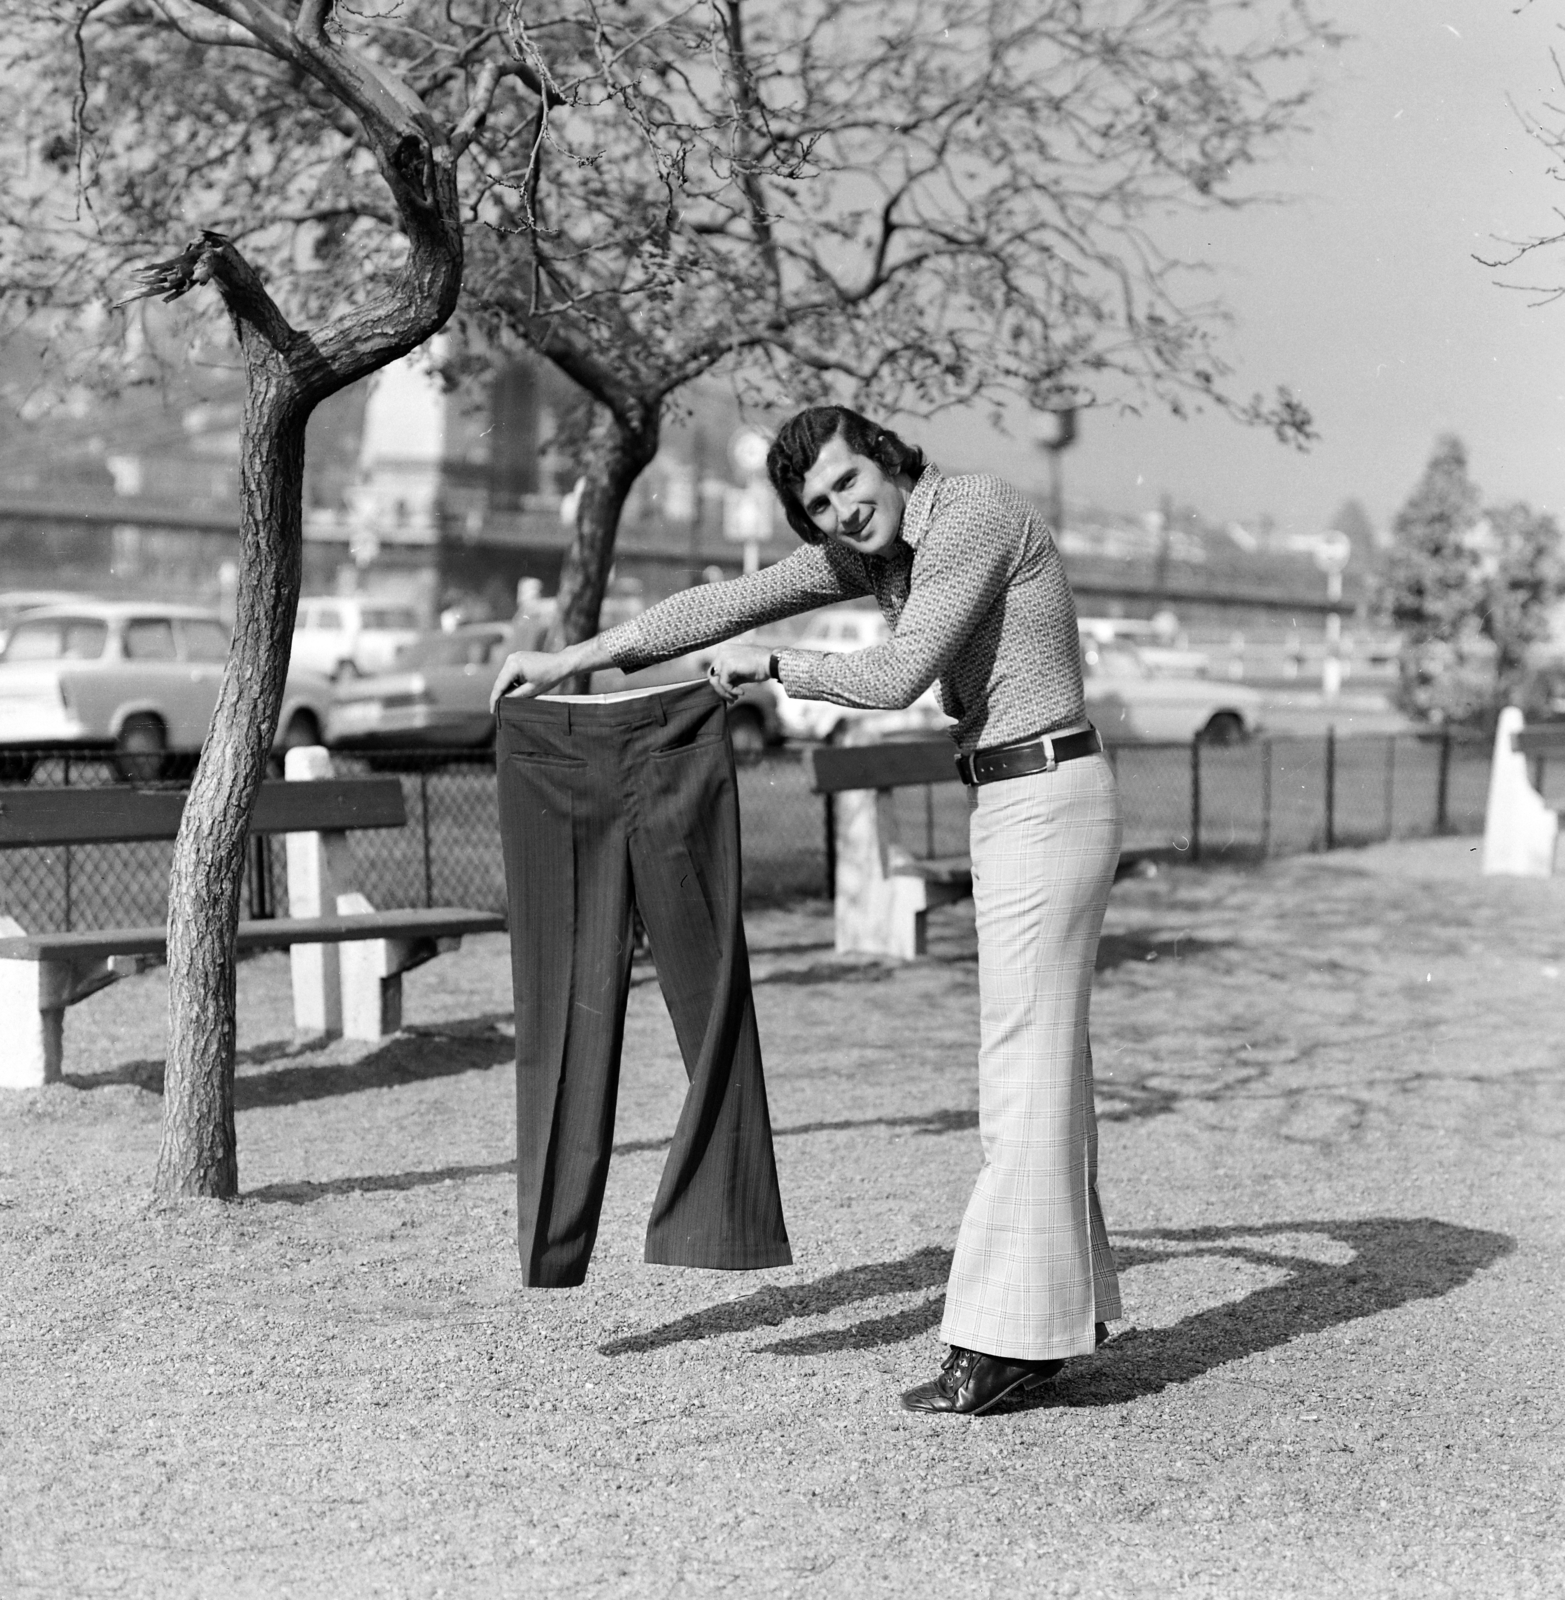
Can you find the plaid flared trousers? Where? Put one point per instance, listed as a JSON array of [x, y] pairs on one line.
[[1032, 1270], [609, 803]]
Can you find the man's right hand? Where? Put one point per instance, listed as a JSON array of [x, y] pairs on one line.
[[526, 673]]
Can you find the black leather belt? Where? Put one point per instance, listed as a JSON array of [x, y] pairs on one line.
[[1017, 760]]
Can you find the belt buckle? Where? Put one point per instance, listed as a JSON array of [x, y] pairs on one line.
[[964, 769], [1048, 750]]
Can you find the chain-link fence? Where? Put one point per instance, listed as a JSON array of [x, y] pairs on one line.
[[1194, 802]]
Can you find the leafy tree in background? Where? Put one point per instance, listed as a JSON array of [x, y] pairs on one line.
[[1524, 577], [1471, 592], [1432, 594]]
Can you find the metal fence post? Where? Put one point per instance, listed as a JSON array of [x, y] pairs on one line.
[[1391, 778], [260, 877], [1331, 788], [829, 810], [1443, 783], [1266, 798], [65, 783], [423, 817], [1195, 799]]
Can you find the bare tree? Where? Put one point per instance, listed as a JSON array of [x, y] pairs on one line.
[[1547, 128], [177, 108], [910, 204], [906, 203]]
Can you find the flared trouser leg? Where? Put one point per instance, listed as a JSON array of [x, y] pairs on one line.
[[568, 886], [1032, 1270], [603, 807], [718, 1204]]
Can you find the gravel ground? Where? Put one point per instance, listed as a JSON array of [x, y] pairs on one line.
[[1332, 1106]]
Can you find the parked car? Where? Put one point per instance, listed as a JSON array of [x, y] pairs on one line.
[[436, 697], [345, 636], [15, 602], [134, 678], [1127, 700], [854, 628]]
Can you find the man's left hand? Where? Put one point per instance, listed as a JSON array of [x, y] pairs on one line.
[[735, 665]]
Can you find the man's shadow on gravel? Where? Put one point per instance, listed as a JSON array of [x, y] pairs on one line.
[[1395, 1261]]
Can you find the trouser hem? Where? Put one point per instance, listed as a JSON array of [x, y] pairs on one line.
[[756, 1260]]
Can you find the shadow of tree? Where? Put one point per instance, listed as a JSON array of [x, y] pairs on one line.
[[305, 1192], [1147, 944], [830, 972], [414, 1056], [922, 1122], [1395, 1261]]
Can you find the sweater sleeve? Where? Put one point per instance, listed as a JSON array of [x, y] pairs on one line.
[[814, 575], [963, 564]]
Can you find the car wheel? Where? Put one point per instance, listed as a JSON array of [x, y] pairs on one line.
[[747, 735], [141, 751], [302, 729], [1224, 727], [15, 768]]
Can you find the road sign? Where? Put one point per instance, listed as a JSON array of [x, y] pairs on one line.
[[1332, 550]]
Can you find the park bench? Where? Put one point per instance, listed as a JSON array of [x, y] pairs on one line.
[[884, 892], [347, 957]]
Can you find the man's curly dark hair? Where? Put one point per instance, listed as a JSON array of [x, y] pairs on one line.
[[805, 434]]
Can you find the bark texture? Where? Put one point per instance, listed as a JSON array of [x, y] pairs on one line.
[[287, 374], [620, 443]]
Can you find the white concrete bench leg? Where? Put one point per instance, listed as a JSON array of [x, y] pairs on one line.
[[372, 974], [319, 869], [1520, 831], [879, 911], [33, 996]]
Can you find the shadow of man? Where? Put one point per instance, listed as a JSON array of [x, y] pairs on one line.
[[1376, 1264]]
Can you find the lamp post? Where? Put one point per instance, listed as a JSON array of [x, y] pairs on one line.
[[1055, 432], [747, 511], [1332, 551]]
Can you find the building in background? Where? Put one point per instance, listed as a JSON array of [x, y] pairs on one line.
[[452, 496]]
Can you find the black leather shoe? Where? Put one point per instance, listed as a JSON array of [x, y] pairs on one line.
[[971, 1383]]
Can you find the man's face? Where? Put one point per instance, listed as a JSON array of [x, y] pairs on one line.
[[851, 500]]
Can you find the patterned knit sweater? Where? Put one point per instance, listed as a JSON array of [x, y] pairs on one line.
[[974, 592]]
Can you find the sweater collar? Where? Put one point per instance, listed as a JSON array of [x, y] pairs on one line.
[[920, 507]]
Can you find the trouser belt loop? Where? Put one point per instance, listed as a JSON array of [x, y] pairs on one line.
[[567, 711], [1048, 751], [660, 709]]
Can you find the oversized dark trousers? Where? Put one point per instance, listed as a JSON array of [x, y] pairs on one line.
[[605, 806]]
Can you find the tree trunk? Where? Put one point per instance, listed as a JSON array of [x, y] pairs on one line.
[[198, 1154], [617, 450]]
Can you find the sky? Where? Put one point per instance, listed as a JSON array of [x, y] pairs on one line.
[[1362, 294]]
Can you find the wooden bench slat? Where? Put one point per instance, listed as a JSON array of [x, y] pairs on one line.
[[882, 766], [938, 869], [1541, 739], [30, 818], [431, 922]]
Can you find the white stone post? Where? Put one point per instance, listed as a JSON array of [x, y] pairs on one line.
[[1519, 831], [318, 872]]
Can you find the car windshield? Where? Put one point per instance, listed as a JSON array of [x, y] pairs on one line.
[[449, 650], [58, 639], [389, 619]]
